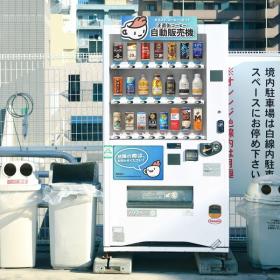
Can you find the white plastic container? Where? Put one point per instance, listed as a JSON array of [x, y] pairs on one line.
[[19, 196], [261, 208], [72, 227], [72, 198]]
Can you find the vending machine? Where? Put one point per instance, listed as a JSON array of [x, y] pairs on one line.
[[165, 136]]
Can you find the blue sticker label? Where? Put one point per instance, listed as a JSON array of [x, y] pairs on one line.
[[159, 28], [138, 163]]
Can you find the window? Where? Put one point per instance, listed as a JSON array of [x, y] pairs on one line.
[[235, 45], [74, 88], [97, 92], [151, 7], [199, 5], [212, 6], [86, 128], [95, 46], [189, 6]]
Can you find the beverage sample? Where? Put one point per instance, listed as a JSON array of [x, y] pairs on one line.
[[171, 51], [143, 86], [175, 119], [158, 52], [184, 86], [141, 121], [117, 86], [186, 118], [157, 86], [130, 87], [118, 51], [131, 52], [184, 52], [129, 121], [163, 121], [170, 86], [198, 52], [152, 121], [197, 119], [145, 51], [197, 85], [117, 121]]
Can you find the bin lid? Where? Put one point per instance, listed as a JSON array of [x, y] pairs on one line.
[[74, 173], [265, 189], [19, 187], [83, 188]]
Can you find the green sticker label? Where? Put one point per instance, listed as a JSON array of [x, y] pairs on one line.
[[108, 151]]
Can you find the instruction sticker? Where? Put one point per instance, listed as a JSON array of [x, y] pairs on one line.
[[138, 163], [212, 169], [141, 212]]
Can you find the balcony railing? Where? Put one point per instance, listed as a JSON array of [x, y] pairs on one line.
[[89, 23], [89, 57]]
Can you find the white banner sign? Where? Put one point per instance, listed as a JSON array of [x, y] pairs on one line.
[[254, 120]]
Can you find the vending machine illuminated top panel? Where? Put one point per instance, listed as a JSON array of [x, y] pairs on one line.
[[165, 77]]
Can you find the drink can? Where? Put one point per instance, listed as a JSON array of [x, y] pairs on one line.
[[152, 121], [118, 85], [117, 51], [131, 52], [186, 118], [175, 119], [197, 119], [145, 51], [163, 121], [130, 85], [170, 86], [141, 121], [184, 51], [129, 121], [158, 50], [171, 51], [198, 50], [117, 121]]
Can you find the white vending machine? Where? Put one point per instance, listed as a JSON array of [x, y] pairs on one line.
[[165, 136]]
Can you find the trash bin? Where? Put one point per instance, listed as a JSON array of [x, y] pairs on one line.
[[19, 195], [261, 209], [72, 197]]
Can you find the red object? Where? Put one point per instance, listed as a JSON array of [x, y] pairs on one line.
[[175, 119], [145, 50]]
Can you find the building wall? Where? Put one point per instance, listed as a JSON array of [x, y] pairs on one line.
[[59, 110], [247, 27], [23, 38], [22, 26]]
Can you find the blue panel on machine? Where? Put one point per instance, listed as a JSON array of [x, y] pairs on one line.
[[138, 163]]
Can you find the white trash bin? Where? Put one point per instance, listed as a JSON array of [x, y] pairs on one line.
[[19, 195], [72, 214], [261, 209]]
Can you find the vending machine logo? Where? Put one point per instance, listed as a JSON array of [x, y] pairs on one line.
[[135, 29], [159, 28], [138, 163]]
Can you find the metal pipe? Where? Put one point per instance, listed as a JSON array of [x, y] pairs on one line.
[[15, 152]]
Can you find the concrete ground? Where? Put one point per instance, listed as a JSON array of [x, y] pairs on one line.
[[150, 266]]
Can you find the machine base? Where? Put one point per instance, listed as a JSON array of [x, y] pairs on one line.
[[108, 264], [165, 249], [224, 264]]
